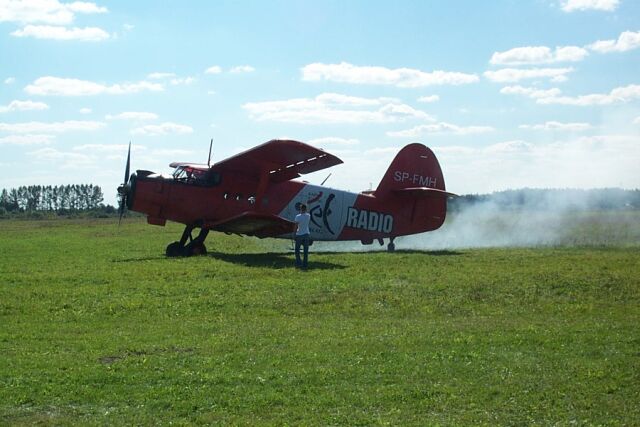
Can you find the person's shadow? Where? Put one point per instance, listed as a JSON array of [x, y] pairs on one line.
[[272, 260]]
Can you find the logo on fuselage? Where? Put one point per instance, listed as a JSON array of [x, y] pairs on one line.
[[369, 220], [319, 212]]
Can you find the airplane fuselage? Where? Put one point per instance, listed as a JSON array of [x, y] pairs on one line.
[[335, 214]]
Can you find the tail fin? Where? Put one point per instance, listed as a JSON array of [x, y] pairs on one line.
[[415, 166]]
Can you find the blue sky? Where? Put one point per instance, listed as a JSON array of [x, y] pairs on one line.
[[508, 94]]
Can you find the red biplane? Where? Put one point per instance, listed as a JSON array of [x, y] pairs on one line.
[[254, 193]]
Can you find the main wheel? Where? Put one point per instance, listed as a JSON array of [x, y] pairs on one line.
[[196, 248], [391, 247], [175, 249]]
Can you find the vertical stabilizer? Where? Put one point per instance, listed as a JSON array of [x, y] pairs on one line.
[[415, 166]]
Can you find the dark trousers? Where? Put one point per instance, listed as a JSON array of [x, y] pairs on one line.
[[302, 240]]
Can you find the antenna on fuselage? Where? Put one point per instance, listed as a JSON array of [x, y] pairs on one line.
[[210, 147]]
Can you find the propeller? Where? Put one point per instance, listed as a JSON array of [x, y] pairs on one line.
[[124, 188]]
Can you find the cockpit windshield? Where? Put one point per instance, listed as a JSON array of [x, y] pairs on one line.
[[191, 175]]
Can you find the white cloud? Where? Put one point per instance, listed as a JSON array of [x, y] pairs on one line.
[[85, 110], [440, 128], [215, 69], [23, 106], [637, 121], [507, 75], [182, 81], [242, 69], [529, 55], [552, 125], [429, 98], [9, 80], [62, 33], [162, 129], [530, 91], [132, 115], [604, 5], [55, 127], [108, 148], [333, 140], [628, 40], [616, 96], [552, 96], [45, 11], [172, 78], [399, 77], [29, 139], [64, 159], [171, 152], [567, 163], [75, 87], [334, 108], [160, 76], [508, 147], [381, 151]]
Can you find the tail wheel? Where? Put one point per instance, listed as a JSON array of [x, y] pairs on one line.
[[391, 246]]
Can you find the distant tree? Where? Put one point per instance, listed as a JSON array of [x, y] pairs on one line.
[[4, 199]]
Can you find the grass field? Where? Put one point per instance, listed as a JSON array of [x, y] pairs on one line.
[[98, 327]]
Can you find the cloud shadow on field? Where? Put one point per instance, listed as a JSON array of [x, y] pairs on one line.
[[273, 260]]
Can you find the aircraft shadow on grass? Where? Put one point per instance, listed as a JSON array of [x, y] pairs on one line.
[[271, 259], [281, 260], [397, 251]]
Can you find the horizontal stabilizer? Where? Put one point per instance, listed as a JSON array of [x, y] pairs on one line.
[[418, 192], [253, 224]]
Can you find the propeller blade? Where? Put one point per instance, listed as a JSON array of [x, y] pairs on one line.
[[126, 170]]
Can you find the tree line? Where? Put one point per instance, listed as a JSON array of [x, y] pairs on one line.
[[59, 199]]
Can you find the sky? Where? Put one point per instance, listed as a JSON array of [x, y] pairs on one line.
[[507, 93]]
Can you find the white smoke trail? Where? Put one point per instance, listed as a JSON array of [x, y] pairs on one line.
[[557, 218], [527, 218]]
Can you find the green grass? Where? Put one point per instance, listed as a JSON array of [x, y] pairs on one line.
[[98, 327]]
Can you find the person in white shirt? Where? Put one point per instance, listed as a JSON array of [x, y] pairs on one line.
[[302, 236]]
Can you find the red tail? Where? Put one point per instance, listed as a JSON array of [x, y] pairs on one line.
[[415, 166], [413, 188]]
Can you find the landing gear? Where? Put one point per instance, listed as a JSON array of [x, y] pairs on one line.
[[194, 247], [174, 249], [391, 247]]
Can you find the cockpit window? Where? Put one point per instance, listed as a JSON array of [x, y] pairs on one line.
[[195, 176]]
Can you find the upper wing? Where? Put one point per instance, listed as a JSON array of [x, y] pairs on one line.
[[254, 224], [282, 159], [197, 166]]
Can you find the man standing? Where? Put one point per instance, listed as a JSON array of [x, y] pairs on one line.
[[302, 236]]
